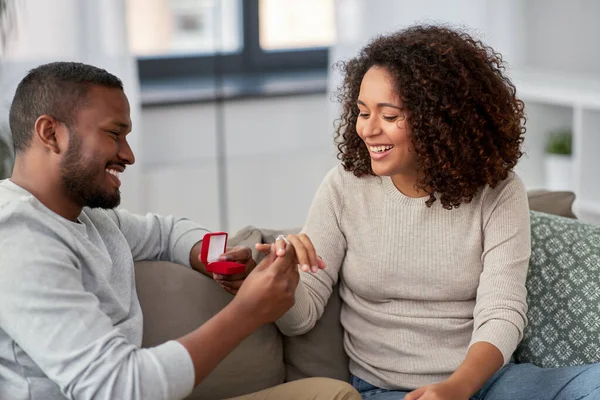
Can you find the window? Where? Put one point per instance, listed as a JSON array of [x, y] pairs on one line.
[[171, 27], [293, 24], [194, 38]]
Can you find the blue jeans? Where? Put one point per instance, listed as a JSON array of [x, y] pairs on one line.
[[518, 382]]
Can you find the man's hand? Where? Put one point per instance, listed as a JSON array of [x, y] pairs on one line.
[[440, 391], [268, 291], [232, 283], [306, 255]]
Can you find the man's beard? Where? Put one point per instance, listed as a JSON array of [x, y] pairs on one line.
[[79, 177]]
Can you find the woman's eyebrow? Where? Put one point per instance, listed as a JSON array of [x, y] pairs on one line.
[[379, 105]]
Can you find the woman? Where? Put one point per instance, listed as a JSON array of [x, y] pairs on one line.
[[427, 227]]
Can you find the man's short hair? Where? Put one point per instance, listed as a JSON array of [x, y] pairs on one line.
[[57, 89]]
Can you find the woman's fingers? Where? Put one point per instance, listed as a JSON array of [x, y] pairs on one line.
[[306, 255]]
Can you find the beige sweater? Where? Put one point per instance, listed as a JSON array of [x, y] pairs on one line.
[[419, 285]]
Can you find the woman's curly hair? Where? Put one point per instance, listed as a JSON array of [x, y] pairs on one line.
[[466, 123]]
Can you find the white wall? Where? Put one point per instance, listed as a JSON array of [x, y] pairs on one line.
[[559, 35], [498, 23], [563, 35], [277, 152]]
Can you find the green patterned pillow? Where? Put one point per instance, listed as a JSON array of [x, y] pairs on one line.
[[563, 287]]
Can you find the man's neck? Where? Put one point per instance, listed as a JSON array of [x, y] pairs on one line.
[[47, 188]]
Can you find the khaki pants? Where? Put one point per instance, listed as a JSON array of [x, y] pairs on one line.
[[306, 389]]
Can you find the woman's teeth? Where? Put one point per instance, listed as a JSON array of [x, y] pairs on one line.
[[379, 149]]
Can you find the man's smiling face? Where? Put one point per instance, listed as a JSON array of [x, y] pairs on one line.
[[98, 150]]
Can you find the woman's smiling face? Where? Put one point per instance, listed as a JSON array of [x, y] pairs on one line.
[[382, 125]]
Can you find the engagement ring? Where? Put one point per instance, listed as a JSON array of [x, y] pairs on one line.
[[281, 237]]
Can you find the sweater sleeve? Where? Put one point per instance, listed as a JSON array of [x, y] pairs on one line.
[[324, 230], [62, 328], [500, 310], [155, 237]]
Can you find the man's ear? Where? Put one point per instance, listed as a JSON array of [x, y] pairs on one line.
[[48, 132]]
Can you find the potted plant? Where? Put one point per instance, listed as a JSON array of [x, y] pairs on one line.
[[558, 160]]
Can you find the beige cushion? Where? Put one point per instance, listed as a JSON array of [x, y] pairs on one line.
[[176, 300], [319, 352], [557, 203]]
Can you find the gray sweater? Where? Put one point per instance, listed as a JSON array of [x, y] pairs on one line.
[[419, 285], [70, 319]]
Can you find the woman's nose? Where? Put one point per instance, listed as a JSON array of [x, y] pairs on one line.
[[371, 127]]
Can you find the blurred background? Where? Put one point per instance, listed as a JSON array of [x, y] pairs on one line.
[[232, 100]]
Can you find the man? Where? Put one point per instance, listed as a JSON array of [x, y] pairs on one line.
[[70, 319]]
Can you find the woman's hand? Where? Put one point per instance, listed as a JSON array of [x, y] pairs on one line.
[[306, 255], [482, 361], [445, 390]]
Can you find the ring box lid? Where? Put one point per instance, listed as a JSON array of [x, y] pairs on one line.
[[213, 245]]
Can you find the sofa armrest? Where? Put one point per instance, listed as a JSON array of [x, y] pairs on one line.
[[550, 202]]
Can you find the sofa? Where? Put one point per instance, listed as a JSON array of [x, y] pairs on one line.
[[175, 300]]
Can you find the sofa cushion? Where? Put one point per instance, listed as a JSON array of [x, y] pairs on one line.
[[557, 203], [320, 352], [176, 300], [563, 286]]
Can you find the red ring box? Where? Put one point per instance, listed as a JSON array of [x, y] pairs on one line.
[[213, 245]]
